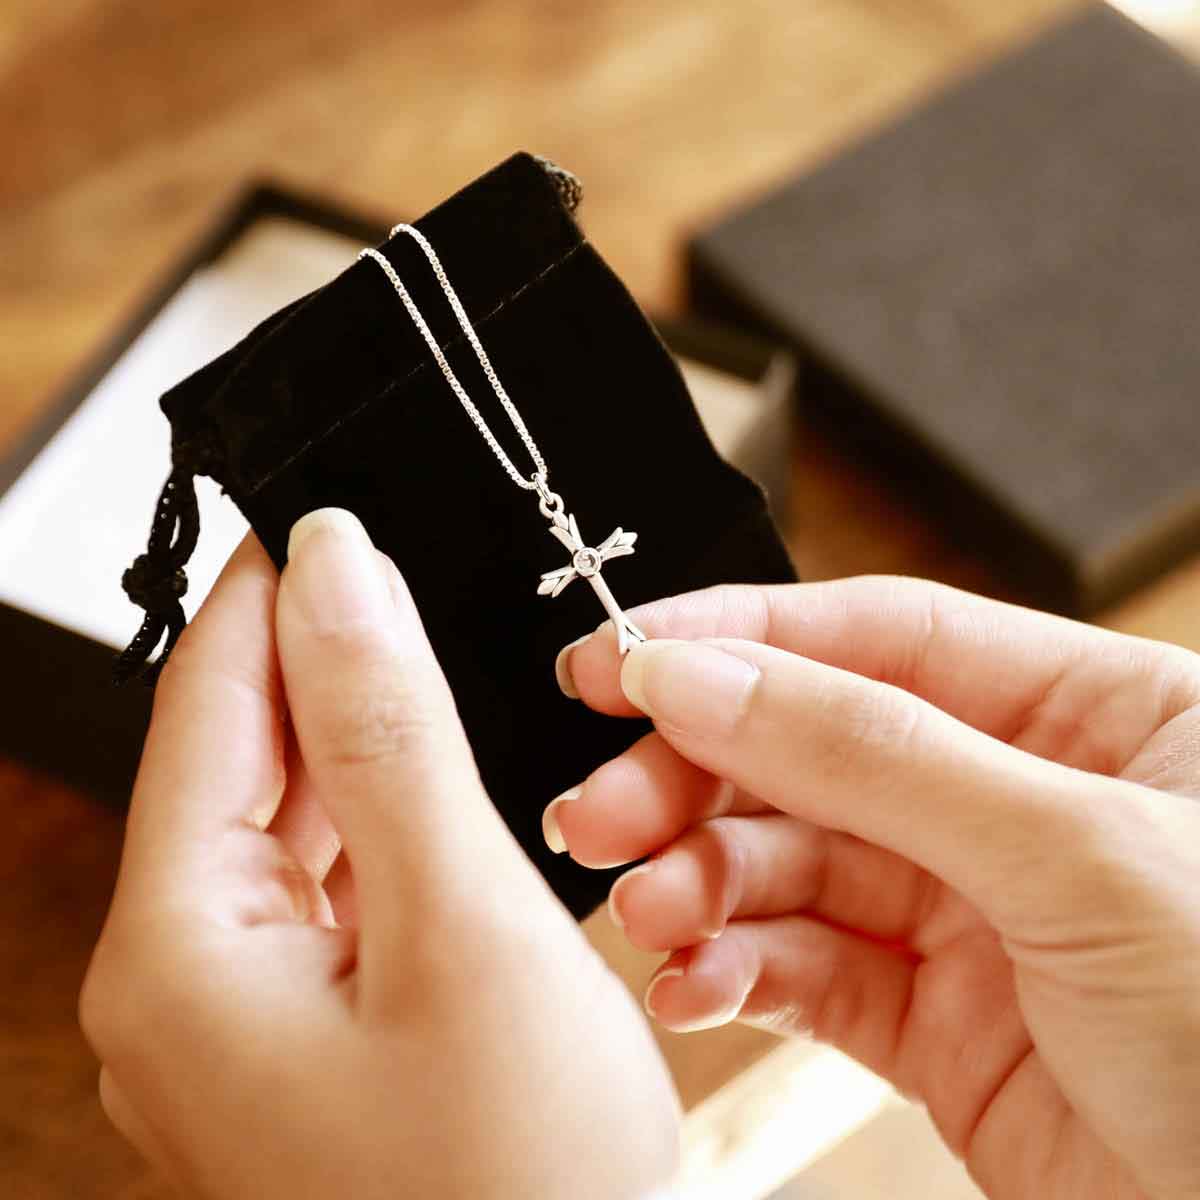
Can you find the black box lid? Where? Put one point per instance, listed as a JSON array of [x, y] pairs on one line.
[[1003, 288]]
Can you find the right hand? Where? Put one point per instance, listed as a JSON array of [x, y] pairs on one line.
[[957, 839]]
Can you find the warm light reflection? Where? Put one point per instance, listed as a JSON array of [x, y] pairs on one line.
[[776, 1118], [1166, 15]]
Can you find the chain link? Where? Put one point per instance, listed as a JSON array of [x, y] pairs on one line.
[[538, 480]]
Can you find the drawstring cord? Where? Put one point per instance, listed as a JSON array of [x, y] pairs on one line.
[[156, 580]]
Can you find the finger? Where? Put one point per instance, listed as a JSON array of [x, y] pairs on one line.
[[214, 755], [636, 803], [734, 868], [791, 975], [1004, 828], [381, 739], [301, 824], [1081, 695], [949, 1032]]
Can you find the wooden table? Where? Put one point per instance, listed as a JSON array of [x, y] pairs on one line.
[[123, 125]]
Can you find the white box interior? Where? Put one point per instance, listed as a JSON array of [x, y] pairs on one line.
[[81, 511]]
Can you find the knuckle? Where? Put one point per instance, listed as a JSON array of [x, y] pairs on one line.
[[869, 727], [374, 723], [359, 643], [106, 1005], [740, 610], [903, 590], [722, 854], [829, 1009], [1177, 671], [93, 1009]]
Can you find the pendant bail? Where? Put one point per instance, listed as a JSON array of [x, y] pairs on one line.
[[549, 502]]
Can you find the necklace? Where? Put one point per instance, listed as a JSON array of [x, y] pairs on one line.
[[586, 561]]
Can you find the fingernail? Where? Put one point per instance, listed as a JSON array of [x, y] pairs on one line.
[[613, 915], [713, 1020], [333, 571], [550, 829], [695, 687], [562, 668], [648, 998]]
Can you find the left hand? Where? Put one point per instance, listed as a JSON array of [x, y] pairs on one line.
[[329, 970]]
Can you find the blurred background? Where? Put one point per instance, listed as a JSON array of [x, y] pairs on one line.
[[125, 127]]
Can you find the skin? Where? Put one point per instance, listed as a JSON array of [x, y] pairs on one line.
[[959, 840], [328, 969]]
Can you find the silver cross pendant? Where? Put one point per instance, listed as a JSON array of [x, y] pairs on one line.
[[586, 562]]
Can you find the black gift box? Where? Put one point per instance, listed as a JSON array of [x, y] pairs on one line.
[[77, 493], [996, 299], [74, 491]]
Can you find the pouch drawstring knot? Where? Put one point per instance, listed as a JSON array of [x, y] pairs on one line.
[[156, 581]]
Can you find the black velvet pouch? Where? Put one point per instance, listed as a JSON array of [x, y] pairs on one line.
[[336, 400]]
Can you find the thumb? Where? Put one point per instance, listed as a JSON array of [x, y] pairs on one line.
[[381, 739], [1024, 839]]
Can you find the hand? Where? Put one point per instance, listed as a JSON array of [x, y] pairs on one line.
[[957, 839], [415, 1015]]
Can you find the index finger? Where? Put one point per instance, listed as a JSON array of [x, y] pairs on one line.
[[214, 754], [991, 665]]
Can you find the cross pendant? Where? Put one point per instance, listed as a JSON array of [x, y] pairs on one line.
[[585, 563]]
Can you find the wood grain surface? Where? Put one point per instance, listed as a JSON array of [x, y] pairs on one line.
[[123, 124]]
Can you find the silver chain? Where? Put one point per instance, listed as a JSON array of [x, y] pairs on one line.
[[538, 481], [586, 560]]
